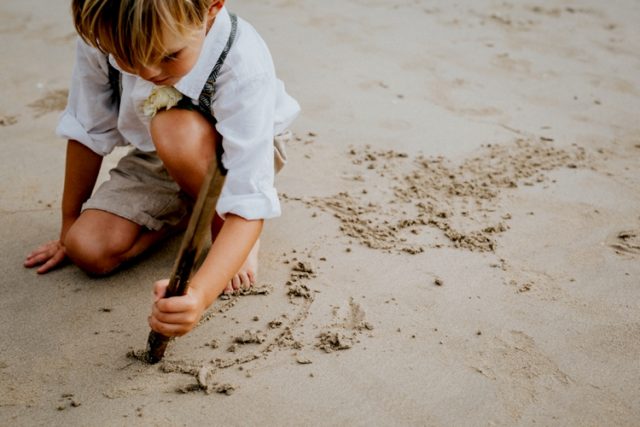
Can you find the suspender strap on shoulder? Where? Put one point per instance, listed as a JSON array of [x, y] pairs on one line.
[[204, 101], [115, 83]]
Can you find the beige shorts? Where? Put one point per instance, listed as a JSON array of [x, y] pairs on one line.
[[140, 189]]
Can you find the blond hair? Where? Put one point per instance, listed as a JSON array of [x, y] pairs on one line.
[[133, 30]]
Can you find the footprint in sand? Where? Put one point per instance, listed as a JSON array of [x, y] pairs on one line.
[[6, 120], [625, 242], [53, 100]]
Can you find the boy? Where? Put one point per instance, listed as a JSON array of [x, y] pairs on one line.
[[231, 109]]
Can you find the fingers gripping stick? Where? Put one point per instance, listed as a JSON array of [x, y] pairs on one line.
[[190, 249]]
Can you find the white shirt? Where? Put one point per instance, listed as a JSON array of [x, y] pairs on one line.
[[250, 106]]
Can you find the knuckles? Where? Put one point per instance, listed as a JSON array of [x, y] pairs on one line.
[[174, 316]]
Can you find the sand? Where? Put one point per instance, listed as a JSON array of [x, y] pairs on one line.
[[459, 244]]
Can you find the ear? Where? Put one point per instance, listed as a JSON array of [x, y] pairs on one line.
[[215, 7]]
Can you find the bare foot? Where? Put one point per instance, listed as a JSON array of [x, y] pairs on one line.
[[246, 277]]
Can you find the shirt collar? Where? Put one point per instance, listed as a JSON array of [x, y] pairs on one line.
[[115, 65], [214, 43]]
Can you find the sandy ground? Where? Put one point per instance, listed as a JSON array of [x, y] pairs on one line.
[[459, 244]]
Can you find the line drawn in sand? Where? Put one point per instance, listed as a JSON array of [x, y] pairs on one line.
[[280, 334]]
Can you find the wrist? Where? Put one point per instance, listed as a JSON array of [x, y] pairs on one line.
[[69, 215], [67, 222], [200, 297]]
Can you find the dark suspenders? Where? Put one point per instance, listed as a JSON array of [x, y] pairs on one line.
[[204, 100], [115, 81]]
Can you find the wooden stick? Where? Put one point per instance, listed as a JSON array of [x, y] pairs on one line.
[[190, 249]]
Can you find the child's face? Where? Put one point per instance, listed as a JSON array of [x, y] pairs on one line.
[[181, 55]]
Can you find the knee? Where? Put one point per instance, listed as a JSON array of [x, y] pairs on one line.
[[179, 136], [91, 256], [185, 142]]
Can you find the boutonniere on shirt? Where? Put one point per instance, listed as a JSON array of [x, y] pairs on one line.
[[161, 98]]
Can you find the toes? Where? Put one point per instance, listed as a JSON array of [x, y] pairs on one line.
[[242, 280], [251, 277], [245, 281], [235, 282], [229, 289]]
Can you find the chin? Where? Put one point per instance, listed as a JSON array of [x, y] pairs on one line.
[[169, 81]]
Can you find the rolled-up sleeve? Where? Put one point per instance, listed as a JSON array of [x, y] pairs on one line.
[[90, 116], [245, 119]]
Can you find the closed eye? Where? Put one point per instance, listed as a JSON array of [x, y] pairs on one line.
[[172, 56]]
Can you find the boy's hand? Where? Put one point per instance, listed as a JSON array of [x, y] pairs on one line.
[[48, 256], [175, 316]]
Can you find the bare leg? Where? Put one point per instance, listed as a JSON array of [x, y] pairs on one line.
[[248, 273], [186, 143], [99, 241]]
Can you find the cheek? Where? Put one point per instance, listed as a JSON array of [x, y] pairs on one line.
[[183, 66], [178, 69]]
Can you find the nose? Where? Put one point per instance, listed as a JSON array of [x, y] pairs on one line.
[[149, 73]]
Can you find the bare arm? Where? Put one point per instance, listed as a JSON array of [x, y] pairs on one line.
[[81, 171], [228, 252], [178, 315]]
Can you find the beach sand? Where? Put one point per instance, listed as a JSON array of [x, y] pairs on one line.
[[459, 244]]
